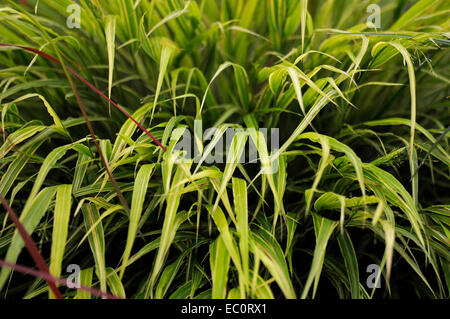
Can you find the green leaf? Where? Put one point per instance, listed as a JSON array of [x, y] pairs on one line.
[[60, 228], [323, 229], [110, 34], [85, 280], [220, 265], [266, 248], [114, 283], [417, 10], [96, 241], [240, 204], [137, 202], [351, 263]]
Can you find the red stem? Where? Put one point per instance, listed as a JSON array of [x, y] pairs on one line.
[[25, 2], [31, 246], [53, 279]]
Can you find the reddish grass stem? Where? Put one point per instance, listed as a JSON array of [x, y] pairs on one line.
[[48, 277], [31, 246], [25, 2]]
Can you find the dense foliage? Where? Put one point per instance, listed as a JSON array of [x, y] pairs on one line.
[[363, 164]]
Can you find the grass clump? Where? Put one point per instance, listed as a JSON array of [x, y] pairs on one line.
[[363, 162]]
